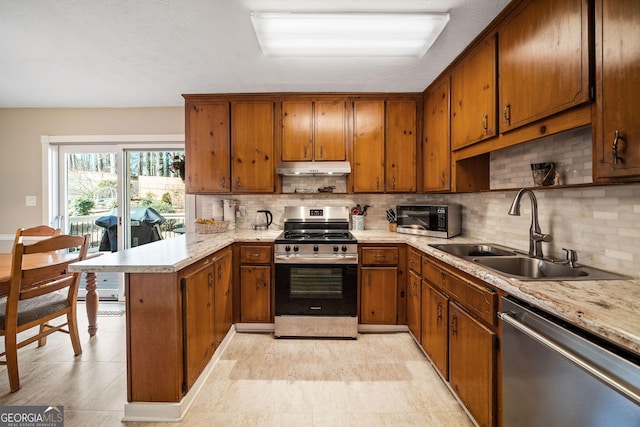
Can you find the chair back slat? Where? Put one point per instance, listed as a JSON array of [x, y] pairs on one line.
[[46, 287], [24, 281], [37, 231]]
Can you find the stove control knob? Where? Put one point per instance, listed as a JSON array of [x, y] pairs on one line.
[[287, 248], [335, 248], [315, 248], [295, 248], [344, 248]]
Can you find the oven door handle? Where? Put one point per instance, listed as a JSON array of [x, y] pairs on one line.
[[315, 260]]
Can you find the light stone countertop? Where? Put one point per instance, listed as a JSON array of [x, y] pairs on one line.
[[607, 308]]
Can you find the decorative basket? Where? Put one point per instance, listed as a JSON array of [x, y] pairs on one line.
[[216, 227]]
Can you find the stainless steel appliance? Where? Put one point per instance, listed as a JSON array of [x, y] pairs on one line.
[[555, 375], [316, 270], [429, 220]]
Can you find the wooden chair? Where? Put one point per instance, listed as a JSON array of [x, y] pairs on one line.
[[40, 293], [37, 231]]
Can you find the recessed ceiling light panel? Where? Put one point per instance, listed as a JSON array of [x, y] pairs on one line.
[[347, 34]]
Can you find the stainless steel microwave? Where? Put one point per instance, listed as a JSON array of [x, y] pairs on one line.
[[429, 220]]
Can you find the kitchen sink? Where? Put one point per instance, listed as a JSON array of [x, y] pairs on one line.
[[518, 265], [527, 268], [474, 249]]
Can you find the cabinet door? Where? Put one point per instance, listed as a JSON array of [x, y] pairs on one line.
[[543, 60], [368, 146], [618, 79], [223, 303], [297, 130], [379, 295], [255, 293], [401, 146], [473, 97], [198, 320], [436, 151], [414, 292], [252, 136], [472, 365], [435, 330], [330, 129], [207, 147]]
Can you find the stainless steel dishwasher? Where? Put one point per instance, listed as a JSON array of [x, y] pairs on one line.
[[553, 376]]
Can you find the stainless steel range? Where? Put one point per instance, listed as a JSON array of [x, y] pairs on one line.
[[316, 263]]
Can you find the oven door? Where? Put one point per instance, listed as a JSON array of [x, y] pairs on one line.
[[316, 289]]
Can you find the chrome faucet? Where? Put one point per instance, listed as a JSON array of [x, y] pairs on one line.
[[535, 235]]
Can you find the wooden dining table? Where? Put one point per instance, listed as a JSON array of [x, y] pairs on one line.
[[39, 259]]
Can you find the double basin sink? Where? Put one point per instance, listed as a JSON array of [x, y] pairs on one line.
[[513, 264]]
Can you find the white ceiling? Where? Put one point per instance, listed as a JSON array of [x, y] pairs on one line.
[[143, 53]]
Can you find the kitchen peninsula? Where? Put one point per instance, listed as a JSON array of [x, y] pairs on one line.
[[156, 351]]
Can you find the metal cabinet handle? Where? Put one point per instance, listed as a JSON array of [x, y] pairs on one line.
[[506, 113], [573, 358], [377, 182], [321, 154], [454, 325], [219, 272], [210, 280], [305, 152], [393, 182], [485, 123], [238, 182], [614, 148], [439, 311], [222, 182]]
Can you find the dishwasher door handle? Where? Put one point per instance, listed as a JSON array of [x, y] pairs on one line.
[[573, 358]]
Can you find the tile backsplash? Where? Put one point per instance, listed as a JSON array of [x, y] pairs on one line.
[[602, 223]]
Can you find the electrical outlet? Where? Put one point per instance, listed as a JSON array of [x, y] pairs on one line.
[[31, 200]]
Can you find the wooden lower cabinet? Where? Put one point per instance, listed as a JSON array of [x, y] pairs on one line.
[[459, 334], [435, 327], [255, 291], [414, 301], [197, 288], [472, 364], [175, 322], [255, 277], [223, 296], [378, 295]]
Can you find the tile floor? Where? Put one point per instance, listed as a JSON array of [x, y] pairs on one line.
[[376, 380]]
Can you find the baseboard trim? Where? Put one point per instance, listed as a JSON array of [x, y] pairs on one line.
[[378, 329], [170, 411]]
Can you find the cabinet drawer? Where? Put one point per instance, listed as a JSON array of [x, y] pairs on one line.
[[255, 254], [431, 272], [414, 260], [380, 256], [478, 300]]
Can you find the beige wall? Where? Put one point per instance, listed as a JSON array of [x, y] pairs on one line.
[[20, 134]]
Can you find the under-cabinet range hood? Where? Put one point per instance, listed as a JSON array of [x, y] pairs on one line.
[[314, 168]]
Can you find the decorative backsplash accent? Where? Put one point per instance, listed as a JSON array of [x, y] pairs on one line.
[[602, 223]]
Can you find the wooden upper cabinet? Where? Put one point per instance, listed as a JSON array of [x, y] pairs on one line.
[[330, 129], [297, 130], [252, 136], [207, 147], [543, 60], [436, 149], [473, 96], [401, 146], [313, 129], [616, 125], [368, 146]]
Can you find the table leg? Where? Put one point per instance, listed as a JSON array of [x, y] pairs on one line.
[[91, 301]]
